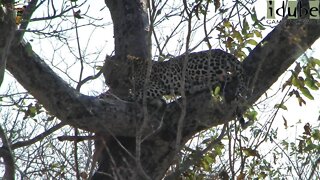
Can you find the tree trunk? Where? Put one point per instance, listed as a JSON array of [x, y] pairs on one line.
[[131, 38]]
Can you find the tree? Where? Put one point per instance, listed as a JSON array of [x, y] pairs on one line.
[[128, 146]]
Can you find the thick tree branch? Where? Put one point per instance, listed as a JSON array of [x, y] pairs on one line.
[[73, 108], [7, 20], [37, 138], [6, 154]]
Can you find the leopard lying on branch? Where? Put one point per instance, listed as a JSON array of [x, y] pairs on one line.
[[203, 70]]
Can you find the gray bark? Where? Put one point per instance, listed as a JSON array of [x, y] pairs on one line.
[[6, 20]]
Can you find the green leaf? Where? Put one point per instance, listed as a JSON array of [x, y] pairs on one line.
[[207, 161], [310, 147], [285, 144], [254, 15], [297, 82], [262, 175], [205, 165], [257, 33], [218, 149], [249, 35], [227, 24], [250, 152], [280, 106], [251, 114], [316, 134], [237, 36], [252, 42], [306, 71], [54, 165], [245, 26], [285, 122], [306, 93], [316, 61], [217, 90], [241, 54], [33, 111], [311, 83]]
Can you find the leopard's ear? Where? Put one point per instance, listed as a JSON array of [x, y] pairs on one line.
[[135, 59], [137, 62], [132, 58]]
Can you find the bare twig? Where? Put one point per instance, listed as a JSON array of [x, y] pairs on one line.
[[89, 78], [183, 78], [37, 138], [75, 153], [205, 25]]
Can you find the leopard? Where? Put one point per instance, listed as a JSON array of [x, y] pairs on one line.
[[202, 71]]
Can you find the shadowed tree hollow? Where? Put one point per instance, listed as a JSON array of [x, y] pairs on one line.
[[143, 140]]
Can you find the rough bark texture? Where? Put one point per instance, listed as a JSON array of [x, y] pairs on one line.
[[110, 116], [131, 34], [7, 30], [7, 20]]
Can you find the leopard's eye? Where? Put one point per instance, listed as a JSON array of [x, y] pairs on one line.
[[230, 73]]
